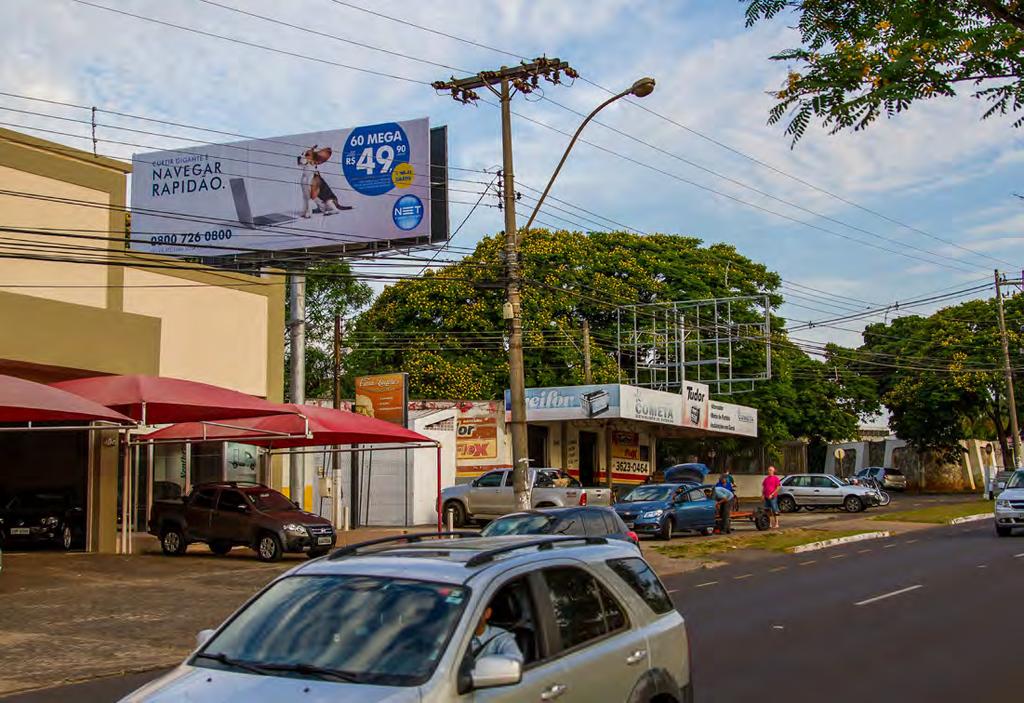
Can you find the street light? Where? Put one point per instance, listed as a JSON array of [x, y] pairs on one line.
[[640, 89]]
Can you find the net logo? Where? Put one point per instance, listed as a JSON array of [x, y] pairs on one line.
[[407, 213]]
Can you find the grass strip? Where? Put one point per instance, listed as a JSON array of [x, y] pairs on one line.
[[939, 514], [776, 541]]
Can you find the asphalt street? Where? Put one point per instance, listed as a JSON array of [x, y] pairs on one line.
[[933, 616]]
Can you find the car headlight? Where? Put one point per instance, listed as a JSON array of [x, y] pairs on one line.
[[50, 522], [653, 513], [292, 527], [1003, 505]]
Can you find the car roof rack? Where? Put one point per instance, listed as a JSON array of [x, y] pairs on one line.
[[541, 544], [353, 549]]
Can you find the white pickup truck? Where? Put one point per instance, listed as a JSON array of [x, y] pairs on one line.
[[492, 494]]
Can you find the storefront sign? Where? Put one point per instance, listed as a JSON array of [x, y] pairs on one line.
[[477, 438], [626, 455], [384, 397], [734, 419], [652, 406], [696, 399], [569, 402]]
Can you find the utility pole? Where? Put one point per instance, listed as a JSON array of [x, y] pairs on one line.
[[1009, 374], [338, 330], [297, 338], [503, 83], [588, 378]]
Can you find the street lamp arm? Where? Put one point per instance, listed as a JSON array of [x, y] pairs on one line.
[[572, 143]]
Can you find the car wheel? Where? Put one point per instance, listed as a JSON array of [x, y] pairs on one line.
[[268, 548], [666, 529], [761, 521], [787, 504], [67, 538], [317, 553], [458, 512], [853, 504], [172, 542], [708, 531], [220, 547], [1003, 531]]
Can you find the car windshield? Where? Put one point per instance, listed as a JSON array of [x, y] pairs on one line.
[[269, 500], [642, 493], [38, 501], [363, 629], [1017, 480], [519, 525]]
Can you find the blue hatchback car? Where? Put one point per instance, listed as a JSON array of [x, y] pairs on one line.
[[664, 508]]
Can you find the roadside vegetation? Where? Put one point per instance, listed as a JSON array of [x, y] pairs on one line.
[[938, 514], [780, 541]]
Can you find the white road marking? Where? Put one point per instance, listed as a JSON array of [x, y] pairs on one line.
[[783, 568], [911, 541], [808, 563], [709, 583], [1018, 556], [673, 590], [982, 566], [863, 551], [889, 546], [838, 556], [908, 589], [743, 576], [778, 627]]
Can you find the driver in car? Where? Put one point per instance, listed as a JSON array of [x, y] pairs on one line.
[[490, 639]]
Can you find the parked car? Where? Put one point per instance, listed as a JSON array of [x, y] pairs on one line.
[[888, 479], [51, 517], [663, 509], [226, 515], [493, 495], [396, 622], [824, 490], [585, 521], [1009, 508], [997, 484]]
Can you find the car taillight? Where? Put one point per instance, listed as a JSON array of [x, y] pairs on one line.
[[634, 536], [583, 497]]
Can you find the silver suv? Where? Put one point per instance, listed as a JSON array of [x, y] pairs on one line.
[[430, 619], [824, 490]]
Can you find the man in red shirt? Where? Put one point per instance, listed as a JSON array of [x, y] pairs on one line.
[[770, 491]]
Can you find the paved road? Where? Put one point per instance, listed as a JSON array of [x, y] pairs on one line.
[[936, 616], [104, 690]]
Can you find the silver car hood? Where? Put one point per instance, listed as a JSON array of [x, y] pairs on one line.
[[188, 684], [455, 491], [1011, 494]]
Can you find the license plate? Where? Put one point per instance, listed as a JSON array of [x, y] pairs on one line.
[[20, 531], [324, 540]]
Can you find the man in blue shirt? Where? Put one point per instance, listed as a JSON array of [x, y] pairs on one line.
[[723, 502], [489, 639]]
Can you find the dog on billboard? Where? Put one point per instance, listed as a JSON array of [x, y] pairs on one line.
[[315, 190]]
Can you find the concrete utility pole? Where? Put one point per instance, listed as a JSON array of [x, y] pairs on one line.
[[338, 331], [1011, 401], [588, 378], [297, 338], [523, 79]]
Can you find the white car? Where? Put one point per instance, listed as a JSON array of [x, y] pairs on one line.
[[1009, 511], [429, 619]]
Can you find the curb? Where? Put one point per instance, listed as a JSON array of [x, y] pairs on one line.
[[825, 544], [969, 518]]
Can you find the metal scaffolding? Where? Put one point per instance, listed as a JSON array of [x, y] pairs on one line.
[[722, 342]]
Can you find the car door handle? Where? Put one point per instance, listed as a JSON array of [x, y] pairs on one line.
[[636, 657], [553, 691]]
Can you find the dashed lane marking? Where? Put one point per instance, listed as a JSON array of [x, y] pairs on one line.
[[901, 591], [863, 551], [838, 556], [808, 563], [889, 546], [703, 585], [911, 541], [742, 576], [783, 568], [673, 590], [982, 566], [1018, 556]]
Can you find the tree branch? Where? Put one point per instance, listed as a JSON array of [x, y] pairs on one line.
[[999, 11]]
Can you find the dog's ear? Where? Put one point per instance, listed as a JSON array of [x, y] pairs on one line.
[[323, 155]]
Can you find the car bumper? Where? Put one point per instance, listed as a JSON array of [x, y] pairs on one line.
[[35, 534], [303, 543], [647, 526], [1010, 518]]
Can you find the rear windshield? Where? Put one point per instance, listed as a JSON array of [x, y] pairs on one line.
[[519, 525], [269, 500], [363, 629]]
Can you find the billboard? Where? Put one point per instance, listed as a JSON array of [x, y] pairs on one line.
[[732, 418], [477, 438], [568, 402], [318, 190], [696, 397], [385, 397]]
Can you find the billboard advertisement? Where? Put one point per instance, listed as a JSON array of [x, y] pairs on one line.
[[384, 397], [303, 191], [731, 418], [651, 405], [696, 397], [477, 438], [568, 402]]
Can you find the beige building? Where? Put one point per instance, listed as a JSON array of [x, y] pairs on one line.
[[75, 302]]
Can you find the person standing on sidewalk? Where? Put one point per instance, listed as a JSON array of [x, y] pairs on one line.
[[723, 503], [770, 490]]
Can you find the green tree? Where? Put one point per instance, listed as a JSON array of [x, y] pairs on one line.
[[331, 289], [862, 59]]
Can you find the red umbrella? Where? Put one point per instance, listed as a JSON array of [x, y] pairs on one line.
[[326, 426], [156, 400], [27, 401]]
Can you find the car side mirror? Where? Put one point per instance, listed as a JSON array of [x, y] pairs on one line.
[[243, 508], [496, 670], [203, 636], [296, 504]]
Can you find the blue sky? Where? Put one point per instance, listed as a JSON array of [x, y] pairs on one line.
[[936, 168]]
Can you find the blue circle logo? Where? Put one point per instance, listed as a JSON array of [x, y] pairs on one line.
[[407, 212], [371, 154]]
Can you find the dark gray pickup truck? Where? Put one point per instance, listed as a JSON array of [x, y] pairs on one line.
[[232, 514]]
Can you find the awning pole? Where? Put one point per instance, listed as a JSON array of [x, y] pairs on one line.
[[439, 519]]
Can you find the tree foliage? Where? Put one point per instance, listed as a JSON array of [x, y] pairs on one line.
[[446, 328], [862, 59]]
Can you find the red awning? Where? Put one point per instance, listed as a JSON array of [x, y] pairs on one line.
[[27, 401], [155, 400], [327, 426]]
